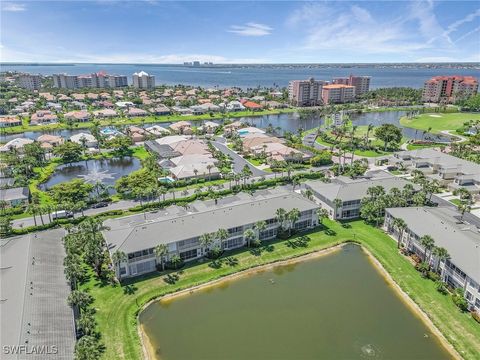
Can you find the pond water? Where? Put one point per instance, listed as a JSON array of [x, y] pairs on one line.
[[106, 171], [282, 122], [334, 307]]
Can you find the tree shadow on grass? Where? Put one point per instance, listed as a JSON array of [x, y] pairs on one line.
[[330, 232], [231, 261], [216, 264], [129, 289], [171, 278], [256, 251]]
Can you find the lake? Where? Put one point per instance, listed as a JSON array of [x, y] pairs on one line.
[[286, 122], [334, 307], [106, 171]]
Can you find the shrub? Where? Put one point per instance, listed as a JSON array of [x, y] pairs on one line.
[[423, 268], [433, 276], [459, 299], [441, 287]]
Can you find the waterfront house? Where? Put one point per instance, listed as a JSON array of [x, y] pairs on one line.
[[462, 241], [105, 113], [84, 138], [48, 141], [77, 116], [181, 127], [16, 144], [135, 112], [43, 117], [180, 228], [9, 121], [161, 110]]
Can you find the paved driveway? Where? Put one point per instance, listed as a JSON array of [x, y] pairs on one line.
[[238, 161]]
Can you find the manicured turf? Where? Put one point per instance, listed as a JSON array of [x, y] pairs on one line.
[[117, 306], [439, 121]]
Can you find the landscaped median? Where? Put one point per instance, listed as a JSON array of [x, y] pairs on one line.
[[117, 307]]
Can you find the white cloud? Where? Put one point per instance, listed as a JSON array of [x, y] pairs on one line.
[[13, 7], [467, 34], [457, 24], [251, 29]]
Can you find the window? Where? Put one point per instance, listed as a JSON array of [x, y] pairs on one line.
[[233, 243], [189, 242], [267, 234], [469, 296], [235, 229], [477, 303], [190, 254], [123, 271]]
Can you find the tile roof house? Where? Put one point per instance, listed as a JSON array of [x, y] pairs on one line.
[[17, 144], [89, 139], [43, 117], [250, 105], [181, 127], [78, 116], [8, 121], [133, 112], [105, 113]]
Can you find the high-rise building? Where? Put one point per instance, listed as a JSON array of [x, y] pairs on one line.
[[361, 83], [95, 80], [142, 80], [338, 94], [30, 82], [449, 89], [306, 92], [65, 81]]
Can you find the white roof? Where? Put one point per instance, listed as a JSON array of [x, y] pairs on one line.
[[16, 143], [169, 140], [88, 137], [141, 73]]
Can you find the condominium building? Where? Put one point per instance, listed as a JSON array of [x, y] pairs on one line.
[[450, 171], [449, 89], [95, 80], [306, 92], [142, 80], [462, 241], [350, 192], [338, 94], [180, 228], [361, 83], [30, 82]]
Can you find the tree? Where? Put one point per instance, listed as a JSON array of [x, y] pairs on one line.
[[79, 298], [221, 235], [260, 226], [161, 250], [337, 203], [249, 235], [280, 215], [87, 323], [175, 260], [322, 214], [117, 258], [428, 243], [5, 226], [206, 240], [442, 254], [400, 225], [464, 208], [292, 216], [120, 144], [69, 151], [88, 348], [72, 191], [389, 134]]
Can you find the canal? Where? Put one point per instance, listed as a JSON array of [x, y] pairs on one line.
[[334, 307]]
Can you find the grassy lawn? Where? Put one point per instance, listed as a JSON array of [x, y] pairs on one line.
[[117, 306], [439, 121], [456, 202], [423, 146], [366, 153], [144, 120]]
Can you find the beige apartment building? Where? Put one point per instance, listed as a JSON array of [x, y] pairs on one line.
[[338, 94], [449, 89], [30, 82], [142, 80], [361, 83], [306, 92]]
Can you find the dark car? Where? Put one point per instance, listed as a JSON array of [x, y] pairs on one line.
[[99, 205]]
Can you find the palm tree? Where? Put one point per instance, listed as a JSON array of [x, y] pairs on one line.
[[221, 235], [428, 243], [400, 225], [209, 168], [117, 257], [369, 129], [280, 215], [463, 208], [175, 260], [161, 250], [260, 226], [337, 203], [206, 240], [87, 323], [292, 216], [308, 193], [249, 235], [322, 214], [441, 254], [32, 209], [79, 298]]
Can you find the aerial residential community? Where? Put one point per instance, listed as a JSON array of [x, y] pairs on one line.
[[272, 201]]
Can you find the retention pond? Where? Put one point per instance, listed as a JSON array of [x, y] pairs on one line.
[[338, 306]]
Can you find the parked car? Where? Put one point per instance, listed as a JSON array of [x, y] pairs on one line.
[[100, 204], [61, 214]]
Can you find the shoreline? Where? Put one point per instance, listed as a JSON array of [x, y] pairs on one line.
[[148, 349]]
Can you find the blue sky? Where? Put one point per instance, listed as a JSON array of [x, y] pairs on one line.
[[239, 32]]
